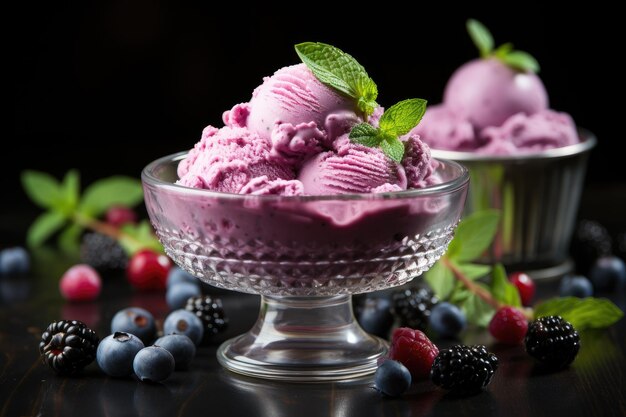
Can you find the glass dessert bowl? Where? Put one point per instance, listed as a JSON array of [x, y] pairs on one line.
[[305, 256]]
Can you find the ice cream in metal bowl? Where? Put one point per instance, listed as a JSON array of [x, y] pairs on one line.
[[305, 255]]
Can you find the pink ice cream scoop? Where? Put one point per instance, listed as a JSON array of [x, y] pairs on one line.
[[443, 129], [487, 92], [227, 159], [521, 133], [294, 96]]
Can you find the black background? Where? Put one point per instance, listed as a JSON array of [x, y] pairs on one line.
[[107, 88]]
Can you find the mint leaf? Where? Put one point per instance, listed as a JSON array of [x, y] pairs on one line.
[[480, 36], [69, 239], [521, 60], [70, 188], [583, 313], [102, 194], [473, 235], [365, 134], [393, 148], [474, 271], [400, 118], [441, 280], [44, 226], [503, 50], [477, 311], [502, 290], [340, 71], [43, 189], [139, 236]]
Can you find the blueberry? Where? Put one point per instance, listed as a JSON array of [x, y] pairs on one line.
[[392, 378], [178, 276], [181, 347], [608, 273], [184, 322], [447, 320], [137, 321], [178, 294], [375, 316], [14, 261], [575, 286], [116, 353], [153, 364]]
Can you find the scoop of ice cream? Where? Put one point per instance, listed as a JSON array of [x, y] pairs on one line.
[[487, 92], [418, 164], [521, 133], [293, 95], [227, 159], [263, 186], [443, 129]]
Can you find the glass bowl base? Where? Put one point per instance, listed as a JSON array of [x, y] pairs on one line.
[[304, 339]]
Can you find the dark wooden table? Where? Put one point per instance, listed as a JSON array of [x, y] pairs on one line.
[[594, 386]]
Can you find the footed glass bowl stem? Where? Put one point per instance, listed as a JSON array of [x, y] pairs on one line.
[[304, 339]]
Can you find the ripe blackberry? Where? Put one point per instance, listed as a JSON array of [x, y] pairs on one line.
[[591, 241], [210, 311], [552, 341], [67, 346], [102, 252], [464, 369], [412, 306]]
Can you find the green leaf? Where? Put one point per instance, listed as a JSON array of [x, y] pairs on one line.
[[583, 313], [480, 36], [69, 239], [44, 226], [400, 118], [473, 235], [503, 50], [393, 148], [440, 279], [340, 71], [522, 61], [477, 311], [502, 290], [474, 271], [43, 189], [139, 236], [365, 134], [102, 194], [71, 190]]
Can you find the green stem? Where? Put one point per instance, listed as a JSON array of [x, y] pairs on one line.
[[476, 289]]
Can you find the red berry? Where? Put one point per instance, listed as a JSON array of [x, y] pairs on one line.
[[80, 283], [508, 325], [414, 350], [119, 215], [147, 270], [525, 286]]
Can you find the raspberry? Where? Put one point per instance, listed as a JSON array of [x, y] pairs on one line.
[[508, 325], [80, 283], [552, 341], [414, 350]]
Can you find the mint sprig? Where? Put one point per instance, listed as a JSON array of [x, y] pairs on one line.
[[68, 212], [340, 71], [480, 290], [396, 121], [482, 38]]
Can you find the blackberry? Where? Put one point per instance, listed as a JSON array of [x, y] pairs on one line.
[[67, 346], [412, 306], [552, 341], [464, 369], [591, 241], [102, 252], [210, 311]]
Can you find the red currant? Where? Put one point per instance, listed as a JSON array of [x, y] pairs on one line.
[[525, 286], [508, 325], [119, 215], [80, 283], [147, 270]]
